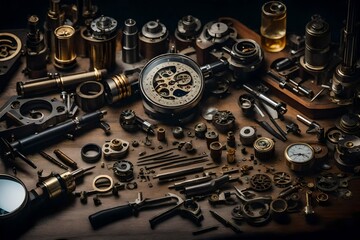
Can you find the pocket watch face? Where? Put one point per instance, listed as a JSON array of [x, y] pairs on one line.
[[299, 152]]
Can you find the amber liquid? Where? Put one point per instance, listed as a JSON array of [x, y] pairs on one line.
[[273, 26], [273, 44]]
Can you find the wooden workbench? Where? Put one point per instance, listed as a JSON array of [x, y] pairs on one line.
[[70, 221]]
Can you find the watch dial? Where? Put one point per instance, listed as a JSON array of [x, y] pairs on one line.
[[300, 153]]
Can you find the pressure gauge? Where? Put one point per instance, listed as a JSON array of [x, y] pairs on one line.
[[299, 156], [171, 86]]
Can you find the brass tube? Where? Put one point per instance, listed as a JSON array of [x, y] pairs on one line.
[[57, 83]]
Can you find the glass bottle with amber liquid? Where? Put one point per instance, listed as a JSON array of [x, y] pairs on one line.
[[273, 26]]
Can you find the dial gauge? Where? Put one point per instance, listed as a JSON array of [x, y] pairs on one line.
[[171, 86], [299, 156]]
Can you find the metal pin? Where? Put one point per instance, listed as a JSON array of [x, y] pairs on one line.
[[53, 160]]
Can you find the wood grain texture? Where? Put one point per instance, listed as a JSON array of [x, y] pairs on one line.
[[70, 221]]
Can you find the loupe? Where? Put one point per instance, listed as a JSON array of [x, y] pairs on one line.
[[14, 198], [17, 204]]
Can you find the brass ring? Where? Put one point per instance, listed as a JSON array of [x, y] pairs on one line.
[[103, 190]]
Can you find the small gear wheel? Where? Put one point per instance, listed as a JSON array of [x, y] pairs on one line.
[[327, 182], [260, 182], [282, 179], [223, 121]]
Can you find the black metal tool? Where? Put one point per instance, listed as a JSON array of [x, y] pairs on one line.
[[225, 222], [265, 125], [207, 187], [313, 127], [186, 208], [10, 151], [281, 131], [104, 217], [290, 85], [280, 107], [130, 122]]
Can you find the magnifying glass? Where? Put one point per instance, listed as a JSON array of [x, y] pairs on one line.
[[13, 197], [17, 204]]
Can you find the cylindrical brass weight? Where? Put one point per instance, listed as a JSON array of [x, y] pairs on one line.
[[102, 43], [64, 53]]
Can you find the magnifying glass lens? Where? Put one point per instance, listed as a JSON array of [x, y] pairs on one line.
[[13, 195]]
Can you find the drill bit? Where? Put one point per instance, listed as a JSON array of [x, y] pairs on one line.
[[80, 172]]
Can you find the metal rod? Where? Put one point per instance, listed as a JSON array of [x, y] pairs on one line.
[[184, 164], [158, 153], [175, 161], [53, 160], [161, 160]]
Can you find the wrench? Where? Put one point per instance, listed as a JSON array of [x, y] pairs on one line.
[[186, 208]]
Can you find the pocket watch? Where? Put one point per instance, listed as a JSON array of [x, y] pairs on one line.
[[299, 156], [171, 86]]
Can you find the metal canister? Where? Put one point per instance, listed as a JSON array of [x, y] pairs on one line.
[[102, 43], [153, 39], [64, 53]]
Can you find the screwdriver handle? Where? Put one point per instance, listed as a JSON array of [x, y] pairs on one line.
[[104, 217]]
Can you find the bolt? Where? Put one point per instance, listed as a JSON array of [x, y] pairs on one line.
[[96, 200], [308, 210]]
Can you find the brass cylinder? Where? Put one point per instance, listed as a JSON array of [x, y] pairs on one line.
[[117, 87], [102, 43], [55, 186], [56, 83], [64, 53]]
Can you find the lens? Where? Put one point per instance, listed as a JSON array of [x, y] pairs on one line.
[[13, 196]]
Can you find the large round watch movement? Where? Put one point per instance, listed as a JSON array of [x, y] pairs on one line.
[[171, 86]]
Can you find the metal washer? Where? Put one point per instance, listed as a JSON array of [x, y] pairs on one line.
[[247, 135]]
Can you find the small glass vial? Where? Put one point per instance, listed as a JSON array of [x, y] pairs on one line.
[[273, 26]]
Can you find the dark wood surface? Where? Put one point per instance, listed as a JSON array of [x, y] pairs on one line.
[[70, 221]]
